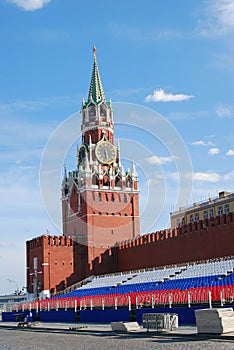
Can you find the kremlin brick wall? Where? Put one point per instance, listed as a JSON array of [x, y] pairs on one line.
[[61, 259], [202, 240], [55, 263]]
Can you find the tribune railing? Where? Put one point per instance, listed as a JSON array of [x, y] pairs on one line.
[[223, 295]]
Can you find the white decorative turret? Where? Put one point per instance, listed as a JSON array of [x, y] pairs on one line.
[[90, 151], [87, 166], [119, 153], [134, 173]]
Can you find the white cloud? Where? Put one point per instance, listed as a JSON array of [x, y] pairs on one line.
[[156, 179], [223, 11], [30, 5], [229, 177], [207, 177], [161, 96], [219, 18], [224, 111], [17, 138], [159, 160], [202, 143], [188, 115], [230, 152], [213, 151], [39, 104], [137, 33]]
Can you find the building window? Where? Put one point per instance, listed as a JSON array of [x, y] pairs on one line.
[[99, 197], [191, 218], [205, 215], [35, 263], [211, 213], [183, 221], [112, 198], [125, 198], [226, 209], [177, 222], [220, 210], [197, 217]]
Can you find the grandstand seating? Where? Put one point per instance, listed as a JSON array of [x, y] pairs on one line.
[[176, 278], [188, 284]]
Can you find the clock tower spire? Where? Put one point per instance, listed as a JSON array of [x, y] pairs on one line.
[[96, 111], [96, 93]]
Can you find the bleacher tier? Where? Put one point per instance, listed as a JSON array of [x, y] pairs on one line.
[[176, 278]]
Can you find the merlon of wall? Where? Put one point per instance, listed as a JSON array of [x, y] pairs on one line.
[[39, 242], [191, 228]]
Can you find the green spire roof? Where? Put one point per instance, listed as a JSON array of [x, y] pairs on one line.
[[96, 93]]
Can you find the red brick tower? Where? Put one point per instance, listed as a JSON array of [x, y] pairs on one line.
[[99, 199]]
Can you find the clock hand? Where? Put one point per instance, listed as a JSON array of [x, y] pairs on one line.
[[106, 154]]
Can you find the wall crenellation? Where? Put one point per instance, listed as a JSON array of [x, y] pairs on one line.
[[182, 230]]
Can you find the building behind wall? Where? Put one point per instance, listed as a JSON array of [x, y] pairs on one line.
[[207, 209]]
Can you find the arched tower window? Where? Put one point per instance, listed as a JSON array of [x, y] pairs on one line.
[[118, 181], [102, 111], [99, 197], [92, 111], [128, 182]]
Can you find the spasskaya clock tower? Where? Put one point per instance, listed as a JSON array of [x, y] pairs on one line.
[[99, 198]]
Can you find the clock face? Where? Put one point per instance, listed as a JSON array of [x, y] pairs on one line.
[[105, 152]]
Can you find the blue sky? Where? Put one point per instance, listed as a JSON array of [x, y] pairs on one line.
[[175, 58]]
